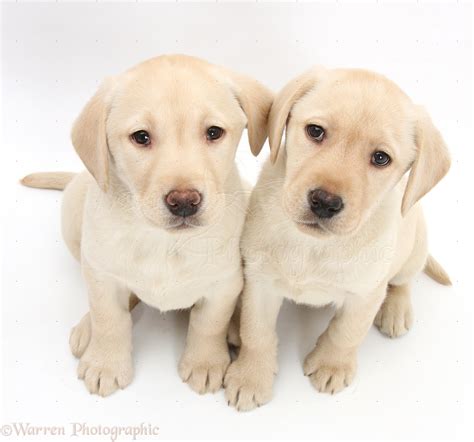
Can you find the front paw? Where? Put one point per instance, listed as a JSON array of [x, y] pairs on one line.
[[204, 372], [104, 372], [248, 383], [330, 370]]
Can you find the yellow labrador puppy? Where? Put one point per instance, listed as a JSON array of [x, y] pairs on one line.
[[160, 211], [334, 221]]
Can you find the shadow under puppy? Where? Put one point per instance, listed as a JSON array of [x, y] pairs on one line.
[[160, 211], [335, 220]]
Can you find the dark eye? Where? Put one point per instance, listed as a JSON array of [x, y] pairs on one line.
[[380, 158], [315, 132], [141, 137], [214, 133]]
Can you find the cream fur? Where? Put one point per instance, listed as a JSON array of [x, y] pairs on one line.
[[351, 259], [115, 222]]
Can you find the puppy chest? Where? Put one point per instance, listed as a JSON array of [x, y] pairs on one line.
[[173, 276], [319, 277]]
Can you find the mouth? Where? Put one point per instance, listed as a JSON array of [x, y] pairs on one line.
[[313, 226], [183, 223]]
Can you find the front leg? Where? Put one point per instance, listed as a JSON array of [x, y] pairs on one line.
[[332, 364], [249, 379], [106, 363], [206, 355]]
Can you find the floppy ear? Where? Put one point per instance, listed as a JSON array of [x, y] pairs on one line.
[[432, 161], [89, 136], [255, 100], [282, 105]]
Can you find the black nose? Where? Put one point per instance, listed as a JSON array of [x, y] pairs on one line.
[[324, 204], [183, 202]]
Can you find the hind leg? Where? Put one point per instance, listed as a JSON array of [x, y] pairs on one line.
[[395, 316], [233, 334], [81, 334]]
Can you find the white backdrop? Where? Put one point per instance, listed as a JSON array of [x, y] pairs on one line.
[[54, 56]]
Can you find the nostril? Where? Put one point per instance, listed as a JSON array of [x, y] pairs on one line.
[[195, 198], [335, 204], [170, 199]]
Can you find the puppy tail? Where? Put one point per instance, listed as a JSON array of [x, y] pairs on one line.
[[434, 270], [48, 180]]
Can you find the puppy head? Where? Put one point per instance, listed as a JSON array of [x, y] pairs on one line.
[[350, 137], [164, 135]]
